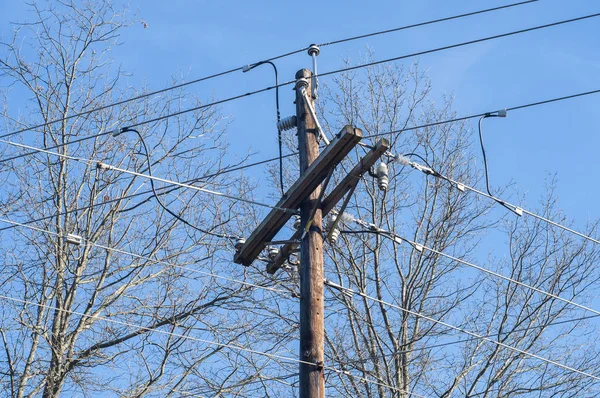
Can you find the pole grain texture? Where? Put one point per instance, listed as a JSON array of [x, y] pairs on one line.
[[312, 382]]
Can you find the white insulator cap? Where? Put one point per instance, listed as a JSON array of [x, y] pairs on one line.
[[287, 124], [273, 252], [381, 171], [334, 233], [334, 236], [239, 243], [297, 222]]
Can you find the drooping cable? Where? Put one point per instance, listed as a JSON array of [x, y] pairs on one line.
[[249, 68], [164, 190], [465, 331], [105, 166], [485, 164], [160, 202]]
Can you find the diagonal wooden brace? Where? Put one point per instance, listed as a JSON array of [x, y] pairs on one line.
[[347, 139], [335, 196]]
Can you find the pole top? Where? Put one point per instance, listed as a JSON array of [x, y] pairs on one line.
[[313, 49]]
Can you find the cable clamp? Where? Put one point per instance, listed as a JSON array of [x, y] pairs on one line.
[[103, 166], [74, 239]]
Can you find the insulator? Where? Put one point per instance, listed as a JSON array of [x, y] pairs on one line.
[[74, 239], [239, 243], [313, 49], [287, 124], [273, 252], [382, 176], [297, 222], [334, 233]]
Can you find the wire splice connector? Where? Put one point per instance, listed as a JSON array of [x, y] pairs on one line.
[[74, 239]]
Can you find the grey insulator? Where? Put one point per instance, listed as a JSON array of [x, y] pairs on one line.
[[239, 243], [382, 176], [297, 222]]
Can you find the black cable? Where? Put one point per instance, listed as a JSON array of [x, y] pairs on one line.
[[157, 197], [240, 68], [348, 69], [165, 188], [485, 165], [460, 44], [425, 23], [278, 118], [376, 63], [458, 119]]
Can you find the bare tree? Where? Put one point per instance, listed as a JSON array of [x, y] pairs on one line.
[[385, 350], [135, 308]]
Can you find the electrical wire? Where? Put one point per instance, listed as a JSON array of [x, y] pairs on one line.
[[470, 333], [142, 257], [420, 247], [484, 39], [204, 341], [425, 23], [105, 166], [164, 188], [485, 164], [160, 202], [279, 140], [514, 208], [473, 116], [163, 117], [152, 93]]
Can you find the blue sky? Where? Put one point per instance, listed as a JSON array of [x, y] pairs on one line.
[[198, 38]]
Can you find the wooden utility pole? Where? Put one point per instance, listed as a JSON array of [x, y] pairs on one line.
[[312, 322], [305, 195]]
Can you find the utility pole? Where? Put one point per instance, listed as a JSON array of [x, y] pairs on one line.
[[305, 194], [312, 322]]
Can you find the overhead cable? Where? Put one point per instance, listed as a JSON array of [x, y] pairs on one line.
[[465, 331], [164, 190], [420, 247], [204, 341], [142, 257], [514, 208], [105, 166], [152, 93]]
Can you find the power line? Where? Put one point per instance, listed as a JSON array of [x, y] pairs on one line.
[[104, 166], [472, 334], [165, 188], [146, 258], [514, 208], [440, 345], [420, 247], [425, 23], [152, 93], [251, 93], [458, 119], [484, 39], [376, 63], [200, 340]]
